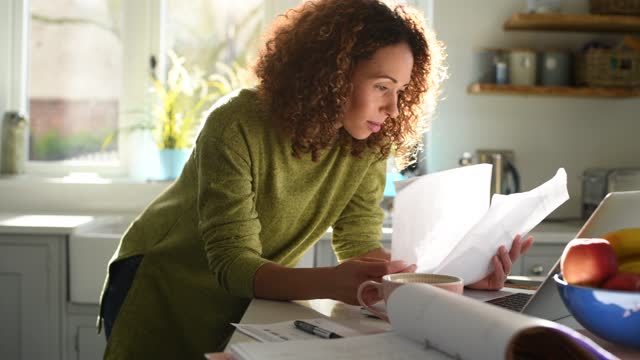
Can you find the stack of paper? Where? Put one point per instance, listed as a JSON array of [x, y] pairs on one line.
[[443, 222]]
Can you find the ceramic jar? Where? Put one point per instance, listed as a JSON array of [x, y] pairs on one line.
[[14, 149], [522, 67], [554, 68]]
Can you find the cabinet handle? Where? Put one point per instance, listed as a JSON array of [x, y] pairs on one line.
[[537, 270]]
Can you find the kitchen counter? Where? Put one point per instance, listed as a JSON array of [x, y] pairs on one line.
[[41, 224], [547, 232], [268, 311]]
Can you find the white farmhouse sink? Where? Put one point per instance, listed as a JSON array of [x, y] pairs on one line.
[[91, 246]]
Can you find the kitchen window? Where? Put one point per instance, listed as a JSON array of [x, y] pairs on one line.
[[88, 70], [88, 78], [75, 80], [80, 89], [214, 32]]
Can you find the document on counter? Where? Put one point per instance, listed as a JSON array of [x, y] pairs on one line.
[[286, 331], [432, 323]]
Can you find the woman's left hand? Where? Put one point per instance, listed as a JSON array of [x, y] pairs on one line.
[[502, 263]]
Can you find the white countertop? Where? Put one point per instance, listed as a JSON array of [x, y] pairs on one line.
[[45, 224], [548, 232]]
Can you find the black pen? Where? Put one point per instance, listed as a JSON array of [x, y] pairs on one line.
[[315, 330]]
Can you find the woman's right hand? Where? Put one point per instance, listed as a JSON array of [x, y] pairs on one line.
[[348, 276]]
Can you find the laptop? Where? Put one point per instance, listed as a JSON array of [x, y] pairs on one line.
[[616, 211]]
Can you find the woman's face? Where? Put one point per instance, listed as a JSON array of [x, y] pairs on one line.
[[377, 83]]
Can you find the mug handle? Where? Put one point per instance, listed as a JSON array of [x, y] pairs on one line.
[[378, 287]]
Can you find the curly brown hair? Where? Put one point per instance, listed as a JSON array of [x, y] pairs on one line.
[[306, 64]]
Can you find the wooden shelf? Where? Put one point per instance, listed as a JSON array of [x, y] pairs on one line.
[[574, 22], [494, 89]]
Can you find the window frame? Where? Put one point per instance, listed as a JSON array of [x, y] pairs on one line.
[[13, 60], [143, 35]]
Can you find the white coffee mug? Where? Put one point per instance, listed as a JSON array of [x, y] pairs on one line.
[[392, 281]]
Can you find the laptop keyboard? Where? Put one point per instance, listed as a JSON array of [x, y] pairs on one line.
[[513, 302]]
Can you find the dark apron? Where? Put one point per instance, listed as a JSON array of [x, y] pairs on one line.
[[120, 279]]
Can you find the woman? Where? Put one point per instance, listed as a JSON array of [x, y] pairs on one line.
[[342, 83]]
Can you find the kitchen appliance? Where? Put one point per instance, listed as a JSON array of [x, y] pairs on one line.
[[598, 182], [505, 178]]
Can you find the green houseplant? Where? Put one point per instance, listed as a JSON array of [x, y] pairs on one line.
[[182, 101], [177, 112], [179, 105]]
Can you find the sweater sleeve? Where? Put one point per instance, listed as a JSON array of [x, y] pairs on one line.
[[227, 218], [358, 230]]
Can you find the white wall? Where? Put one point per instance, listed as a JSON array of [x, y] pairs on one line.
[[545, 132]]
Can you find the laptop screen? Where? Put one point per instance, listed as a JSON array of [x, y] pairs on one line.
[[618, 210]]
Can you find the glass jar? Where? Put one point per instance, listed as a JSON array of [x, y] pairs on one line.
[[13, 154]]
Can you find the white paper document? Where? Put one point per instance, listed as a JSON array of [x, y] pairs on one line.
[[444, 223], [286, 331]]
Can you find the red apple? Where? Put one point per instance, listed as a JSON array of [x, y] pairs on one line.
[[623, 281], [588, 262]]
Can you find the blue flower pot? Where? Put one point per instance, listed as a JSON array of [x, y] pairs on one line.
[[172, 161], [389, 187]]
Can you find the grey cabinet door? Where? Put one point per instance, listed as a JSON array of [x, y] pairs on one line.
[[30, 298], [516, 268], [84, 342], [540, 259], [90, 345]]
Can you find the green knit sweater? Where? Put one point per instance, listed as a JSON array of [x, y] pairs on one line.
[[241, 201]]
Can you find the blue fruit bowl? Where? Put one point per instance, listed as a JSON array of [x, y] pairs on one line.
[[613, 315]]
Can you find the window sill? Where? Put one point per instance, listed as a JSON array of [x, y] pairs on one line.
[[76, 178], [76, 194]]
